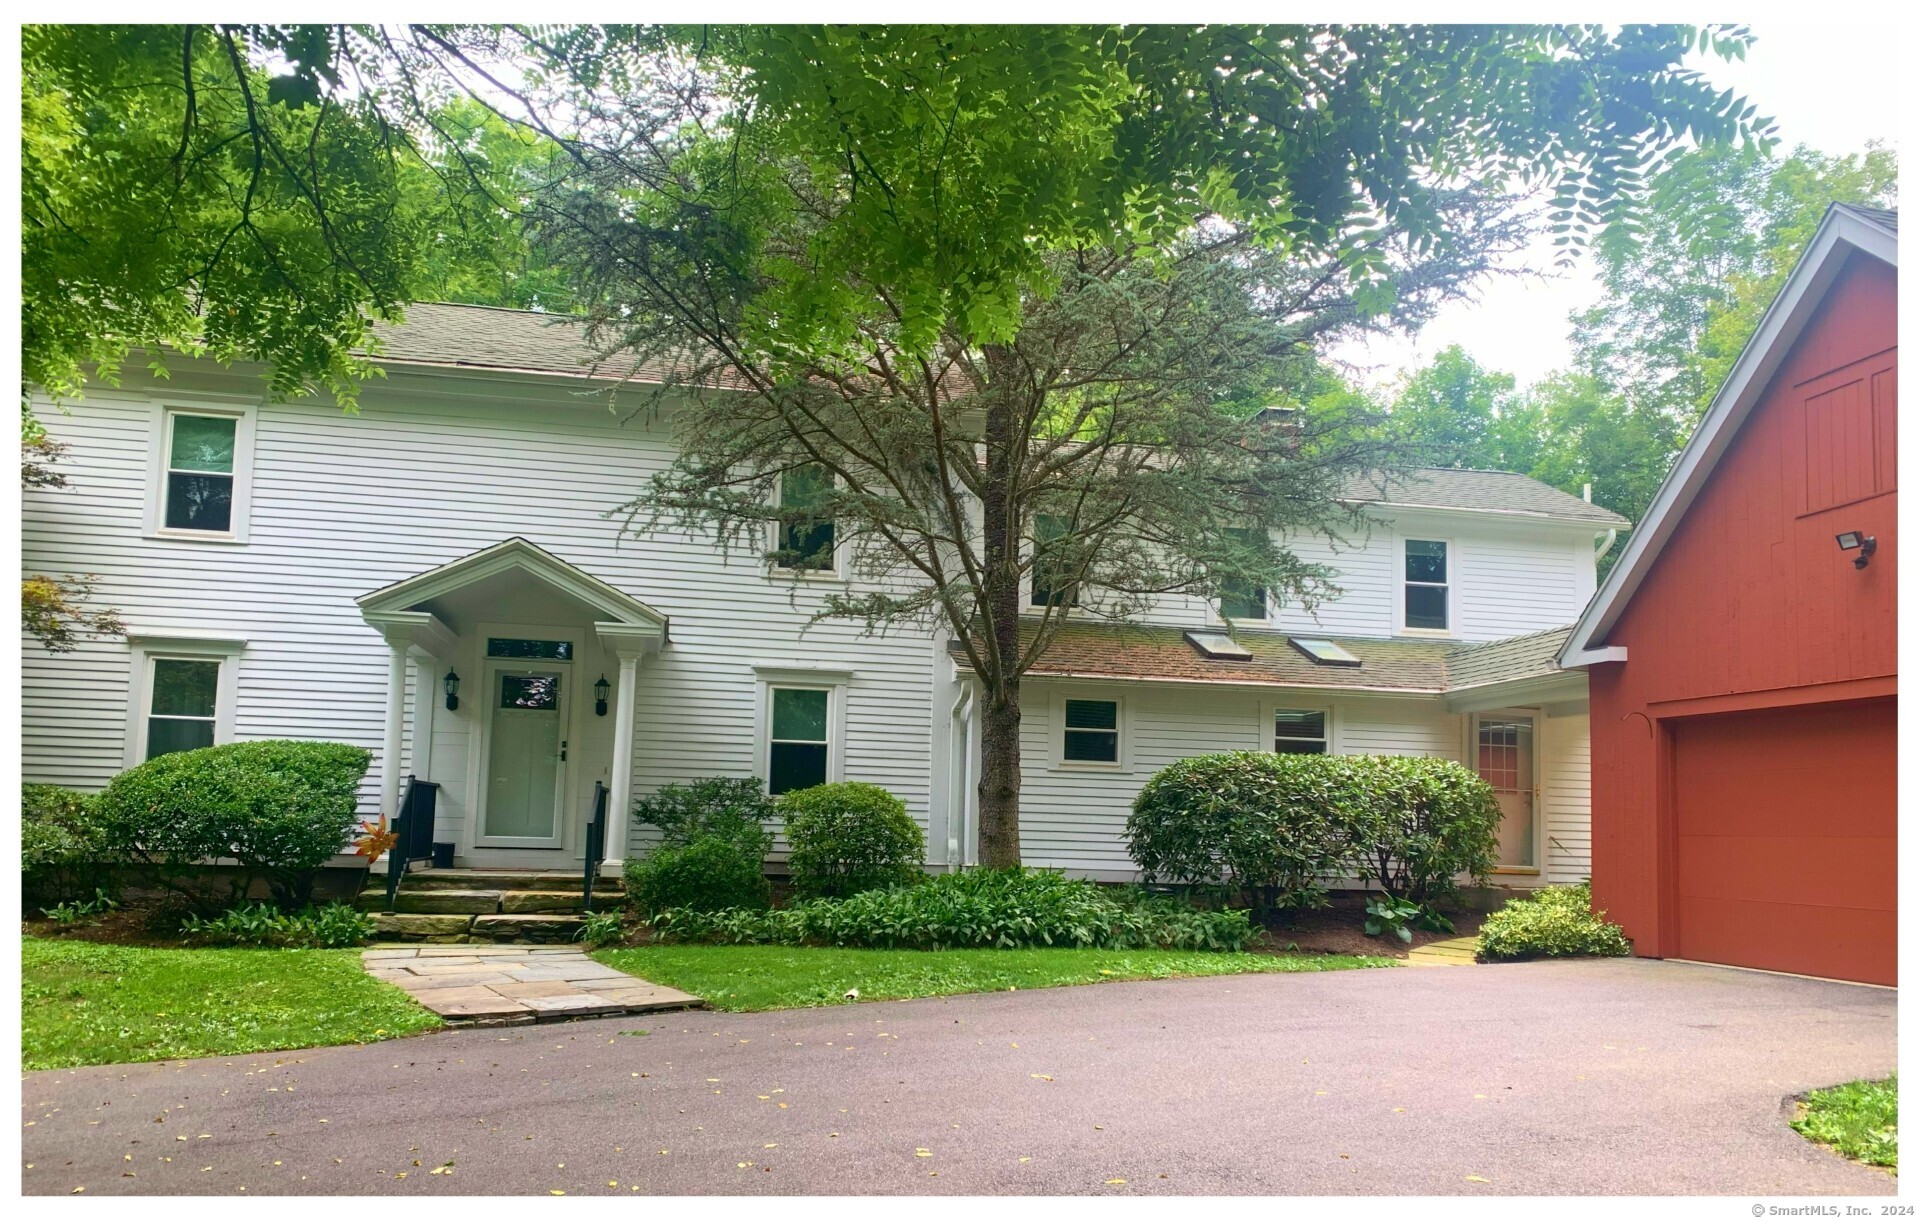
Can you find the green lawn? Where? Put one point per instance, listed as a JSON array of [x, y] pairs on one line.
[[780, 977], [1860, 1119], [86, 1003]]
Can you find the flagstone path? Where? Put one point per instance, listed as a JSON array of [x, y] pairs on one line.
[[500, 986]]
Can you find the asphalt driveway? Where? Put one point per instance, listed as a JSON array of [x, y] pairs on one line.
[[1589, 1077]]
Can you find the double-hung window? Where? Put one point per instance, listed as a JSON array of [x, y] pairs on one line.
[[1425, 588], [183, 697], [200, 472], [1091, 732], [806, 541], [1051, 578], [1300, 731], [798, 742], [1240, 599]]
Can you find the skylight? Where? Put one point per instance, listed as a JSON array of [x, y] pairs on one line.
[[1323, 652], [1220, 646]]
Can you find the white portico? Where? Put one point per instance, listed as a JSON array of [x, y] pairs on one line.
[[512, 683]]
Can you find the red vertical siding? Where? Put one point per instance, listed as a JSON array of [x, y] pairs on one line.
[[1751, 603]]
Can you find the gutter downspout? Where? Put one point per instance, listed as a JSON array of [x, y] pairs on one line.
[[1606, 547], [969, 813]]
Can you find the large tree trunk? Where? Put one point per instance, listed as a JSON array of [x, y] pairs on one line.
[[1000, 614]]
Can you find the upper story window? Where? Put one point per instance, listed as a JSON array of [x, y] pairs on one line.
[[806, 543], [1052, 585], [1426, 591], [201, 478], [1239, 599]]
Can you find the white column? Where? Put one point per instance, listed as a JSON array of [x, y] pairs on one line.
[[620, 799], [396, 720]]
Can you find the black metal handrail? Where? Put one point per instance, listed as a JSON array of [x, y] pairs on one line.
[[596, 845], [412, 831]]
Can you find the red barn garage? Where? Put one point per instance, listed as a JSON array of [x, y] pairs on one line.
[[1741, 655]]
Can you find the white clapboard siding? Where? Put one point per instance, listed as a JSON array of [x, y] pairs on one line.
[[345, 504], [1567, 755]]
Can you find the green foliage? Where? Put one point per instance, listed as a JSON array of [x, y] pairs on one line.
[[847, 837], [280, 807], [1860, 1120], [89, 1003], [63, 852], [999, 908], [747, 978], [313, 927], [1551, 923], [953, 194], [601, 928], [1277, 827], [1402, 917], [74, 911], [711, 874], [1421, 824], [731, 808]]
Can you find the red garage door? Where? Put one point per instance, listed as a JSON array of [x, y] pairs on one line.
[[1785, 822]]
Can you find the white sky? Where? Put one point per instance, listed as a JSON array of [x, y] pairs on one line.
[[1834, 102]]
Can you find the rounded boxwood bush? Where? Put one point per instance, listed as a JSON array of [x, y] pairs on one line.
[[1279, 827], [710, 874], [848, 837], [280, 807], [1553, 922], [1271, 826]]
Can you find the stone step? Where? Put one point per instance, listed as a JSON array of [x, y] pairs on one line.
[[467, 928], [409, 900], [525, 927], [418, 879]]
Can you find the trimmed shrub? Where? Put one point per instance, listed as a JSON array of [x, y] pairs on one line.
[[848, 837], [63, 854], [1270, 827], [1554, 922], [727, 807], [1424, 823], [987, 908], [1277, 828], [328, 925], [713, 873], [279, 807]]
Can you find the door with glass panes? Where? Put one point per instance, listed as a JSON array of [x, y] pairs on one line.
[[524, 778]]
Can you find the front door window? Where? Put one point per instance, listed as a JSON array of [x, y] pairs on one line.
[[525, 754], [1504, 757]]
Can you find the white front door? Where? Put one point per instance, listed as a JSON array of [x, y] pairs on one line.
[[1503, 755], [525, 775]]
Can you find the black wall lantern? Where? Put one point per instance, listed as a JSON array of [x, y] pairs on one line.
[[600, 697], [451, 685]]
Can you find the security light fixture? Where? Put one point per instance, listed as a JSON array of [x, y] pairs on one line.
[[451, 685], [600, 697], [1852, 541]]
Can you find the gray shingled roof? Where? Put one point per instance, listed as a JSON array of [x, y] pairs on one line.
[[1464, 488], [484, 337], [1886, 218], [1152, 652]]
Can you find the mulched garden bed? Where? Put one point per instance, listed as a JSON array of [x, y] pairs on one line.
[[1341, 930]]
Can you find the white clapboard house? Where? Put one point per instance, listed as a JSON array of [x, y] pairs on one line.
[[286, 570]]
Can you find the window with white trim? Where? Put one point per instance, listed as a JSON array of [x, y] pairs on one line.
[[1240, 599], [1426, 588], [200, 453], [1050, 582], [799, 737], [1300, 731], [805, 544], [183, 701], [1090, 732]]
